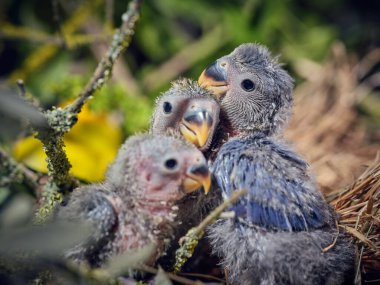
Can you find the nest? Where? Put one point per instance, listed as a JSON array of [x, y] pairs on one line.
[[326, 126], [358, 207], [326, 129]]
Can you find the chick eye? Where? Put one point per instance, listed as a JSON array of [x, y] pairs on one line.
[[247, 85], [171, 163], [167, 107]]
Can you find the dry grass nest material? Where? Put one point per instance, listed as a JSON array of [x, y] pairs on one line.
[[358, 208], [327, 129], [326, 126]]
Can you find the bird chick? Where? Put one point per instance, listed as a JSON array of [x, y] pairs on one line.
[[189, 110], [283, 224], [136, 205], [254, 92]]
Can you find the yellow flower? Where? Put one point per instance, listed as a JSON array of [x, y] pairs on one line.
[[90, 146]]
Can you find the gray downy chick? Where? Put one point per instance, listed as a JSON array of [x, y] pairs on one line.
[[191, 112], [283, 224]]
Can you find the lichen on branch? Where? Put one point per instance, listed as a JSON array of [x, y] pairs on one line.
[[12, 172], [61, 120], [189, 242]]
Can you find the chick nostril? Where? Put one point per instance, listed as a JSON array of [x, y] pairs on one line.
[[198, 117], [209, 119], [201, 169], [217, 71]]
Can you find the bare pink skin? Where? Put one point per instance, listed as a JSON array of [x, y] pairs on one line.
[[136, 204]]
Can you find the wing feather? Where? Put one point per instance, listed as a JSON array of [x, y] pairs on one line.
[[281, 194]]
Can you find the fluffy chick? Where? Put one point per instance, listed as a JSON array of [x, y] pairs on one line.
[[253, 90], [191, 112], [136, 205], [282, 225]]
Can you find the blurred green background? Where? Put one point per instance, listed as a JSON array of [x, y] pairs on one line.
[[54, 47]]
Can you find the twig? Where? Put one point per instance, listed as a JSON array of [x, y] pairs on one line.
[[21, 87], [43, 53], [226, 274], [171, 276], [12, 172], [121, 72], [219, 210], [359, 236], [109, 13], [327, 248], [51, 125], [57, 162], [357, 271], [25, 33], [28, 97], [190, 241], [17, 108], [120, 42], [192, 53], [57, 19], [205, 276], [60, 121]]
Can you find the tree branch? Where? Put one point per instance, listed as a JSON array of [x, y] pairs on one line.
[[192, 53], [60, 121], [9, 31], [190, 241], [120, 42], [12, 172]]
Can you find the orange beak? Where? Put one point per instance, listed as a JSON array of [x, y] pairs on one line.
[[196, 126], [214, 78], [196, 177]]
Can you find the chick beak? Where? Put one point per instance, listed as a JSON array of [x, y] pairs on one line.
[[197, 176], [196, 125], [214, 78]]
